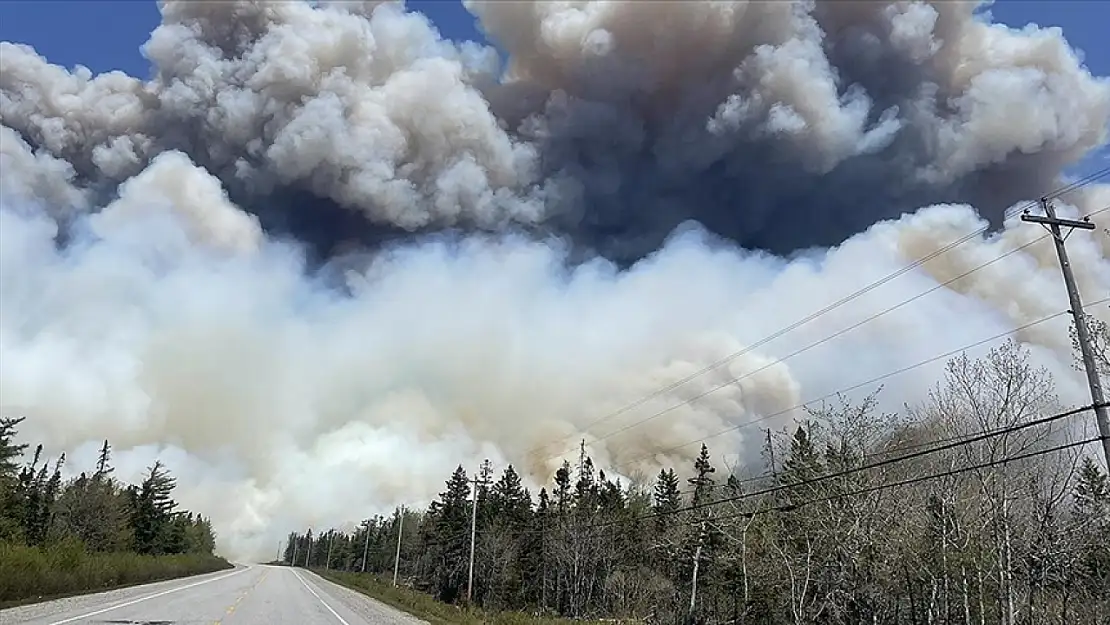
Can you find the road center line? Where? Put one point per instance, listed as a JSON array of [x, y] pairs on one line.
[[320, 599], [155, 595]]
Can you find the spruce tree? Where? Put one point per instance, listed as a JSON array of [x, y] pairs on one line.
[[1091, 511], [10, 451], [11, 495], [1092, 492], [666, 499], [702, 483], [452, 536], [104, 462], [151, 511]]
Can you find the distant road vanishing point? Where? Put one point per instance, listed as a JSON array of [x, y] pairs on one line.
[[247, 595]]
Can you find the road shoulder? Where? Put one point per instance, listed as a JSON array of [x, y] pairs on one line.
[[94, 600], [370, 608]]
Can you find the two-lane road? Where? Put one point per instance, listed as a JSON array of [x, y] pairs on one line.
[[247, 595]]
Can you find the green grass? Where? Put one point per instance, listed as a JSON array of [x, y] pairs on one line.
[[426, 607], [32, 574]]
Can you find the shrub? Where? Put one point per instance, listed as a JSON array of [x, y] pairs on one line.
[[65, 568]]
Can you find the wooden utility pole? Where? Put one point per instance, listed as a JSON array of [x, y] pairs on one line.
[[473, 534], [400, 532], [698, 482], [366, 544], [1053, 225], [308, 552], [771, 453], [296, 543], [331, 543], [694, 580]]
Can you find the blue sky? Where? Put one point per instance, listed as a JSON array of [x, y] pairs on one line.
[[106, 34]]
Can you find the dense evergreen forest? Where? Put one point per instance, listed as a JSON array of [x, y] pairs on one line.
[[91, 531], [979, 506]]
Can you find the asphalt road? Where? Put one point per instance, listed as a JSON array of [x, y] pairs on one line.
[[247, 595]]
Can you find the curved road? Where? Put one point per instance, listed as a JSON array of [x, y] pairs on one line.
[[247, 595]]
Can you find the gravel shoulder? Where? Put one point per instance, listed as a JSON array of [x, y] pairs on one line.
[[245, 595], [369, 609], [88, 602]]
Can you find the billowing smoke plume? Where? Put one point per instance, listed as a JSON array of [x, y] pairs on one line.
[[643, 191]]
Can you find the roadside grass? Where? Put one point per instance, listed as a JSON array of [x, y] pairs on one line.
[[428, 608], [33, 574]]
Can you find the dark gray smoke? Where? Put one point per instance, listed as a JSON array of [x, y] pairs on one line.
[[779, 125]]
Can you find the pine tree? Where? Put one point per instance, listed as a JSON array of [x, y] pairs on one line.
[[803, 462], [30, 494], [151, 512], [1092, 492], [94, 511], [510, 501], [104, 462], [485, 481], [11, 495], [733, 487], [1091, 511], [537, 552], [585, 487], [702, 483], [10, 452], [560, 494], [50, 490], [452, 536], [667, 498], [290, 548]]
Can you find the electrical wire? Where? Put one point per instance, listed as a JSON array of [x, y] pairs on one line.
[[792, 506], [903, 458], [854, 387], [864, 468], [734, 355], [916, 480]]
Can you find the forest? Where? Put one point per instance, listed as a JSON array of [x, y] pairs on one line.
[[90, 532], [985, 504]]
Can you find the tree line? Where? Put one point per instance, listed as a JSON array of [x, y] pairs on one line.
[[90, 531], [855, 516]]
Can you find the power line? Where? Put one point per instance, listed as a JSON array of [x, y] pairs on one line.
[[848, 389], [962, 441], [895, 448], [903, 458], [734, 355], [915, 480], [819, 342], [1068, 188], [835, 335], [845, 473]]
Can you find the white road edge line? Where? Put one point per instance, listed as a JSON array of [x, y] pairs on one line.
[[320, 599], [155, 595]]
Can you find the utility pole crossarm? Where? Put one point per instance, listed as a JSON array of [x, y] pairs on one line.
[[1066, 223]]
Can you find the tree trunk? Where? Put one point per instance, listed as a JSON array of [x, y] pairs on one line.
[[967, 598], [982, 599]]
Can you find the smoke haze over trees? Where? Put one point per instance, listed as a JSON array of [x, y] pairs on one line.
[[92, 531], [841, 528], [320, 255]]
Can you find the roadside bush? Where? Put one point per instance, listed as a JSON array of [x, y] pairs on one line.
[[65, 568], [426, 607]]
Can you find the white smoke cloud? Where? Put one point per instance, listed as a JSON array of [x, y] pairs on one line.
[[172, 325]]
